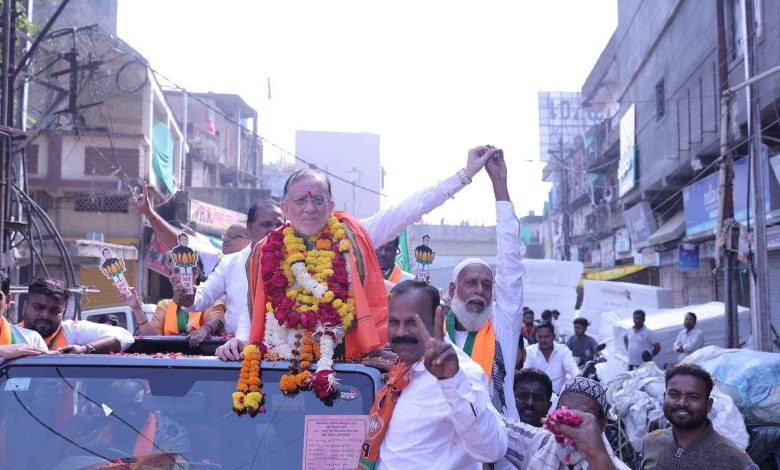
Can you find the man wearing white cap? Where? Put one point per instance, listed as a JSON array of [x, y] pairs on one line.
[[490, 334]]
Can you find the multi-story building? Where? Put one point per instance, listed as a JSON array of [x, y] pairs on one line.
[[85, 164], [648, 191]]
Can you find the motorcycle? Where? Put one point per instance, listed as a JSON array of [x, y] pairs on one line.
[[588, 370]]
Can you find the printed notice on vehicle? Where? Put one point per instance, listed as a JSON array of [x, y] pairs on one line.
[[333, 441]]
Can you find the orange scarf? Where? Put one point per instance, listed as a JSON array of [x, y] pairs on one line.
[[171, 323], [381, 413], [481, 347], [6, 336], [395, 275], [370, 331], [55, 340], [144, 445]]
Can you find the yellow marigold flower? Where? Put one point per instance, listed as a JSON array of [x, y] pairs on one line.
[[328, 297], [238, 400], [337, 303], [250, 349], [343, 246], [253, 400]]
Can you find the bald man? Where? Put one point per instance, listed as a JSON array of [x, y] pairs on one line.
[[235, 239]]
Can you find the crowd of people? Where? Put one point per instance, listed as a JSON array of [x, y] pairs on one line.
[[468, 382]]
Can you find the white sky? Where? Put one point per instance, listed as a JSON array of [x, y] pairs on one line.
[[432, 78]]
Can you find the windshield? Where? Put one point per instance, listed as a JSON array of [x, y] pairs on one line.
[[88, 417]]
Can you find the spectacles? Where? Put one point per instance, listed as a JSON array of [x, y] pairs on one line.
[[317, 201]]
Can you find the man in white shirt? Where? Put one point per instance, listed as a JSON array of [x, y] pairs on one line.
[[690, 338], [435, 410], [14, 340], [229, 278], [638, 340], [489, 332], [43, 310], [554, 359], [382, 227]]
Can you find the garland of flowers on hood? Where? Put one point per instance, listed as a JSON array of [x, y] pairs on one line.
[[309, 298]]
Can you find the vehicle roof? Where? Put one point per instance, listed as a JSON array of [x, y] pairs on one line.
[[164, 360], [147, 308]]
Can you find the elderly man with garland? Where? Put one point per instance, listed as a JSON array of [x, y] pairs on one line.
[[317, 280], [585, 398], [307, 199], [490, 332]]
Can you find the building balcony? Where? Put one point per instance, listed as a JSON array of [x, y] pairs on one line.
[[203, 145], [601, 144]]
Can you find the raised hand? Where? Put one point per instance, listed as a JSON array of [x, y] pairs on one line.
[[440, 358], [477, 158], [130, 300], [180, 295], [496, 166], [142, 202]]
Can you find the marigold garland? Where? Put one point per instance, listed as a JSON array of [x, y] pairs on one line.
[[309, 298], [249, 397]]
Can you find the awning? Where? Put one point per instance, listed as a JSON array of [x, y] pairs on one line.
[[613, 273], [672, 229]]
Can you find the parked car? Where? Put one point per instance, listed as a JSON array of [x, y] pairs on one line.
[[124, 316], [87, 412]]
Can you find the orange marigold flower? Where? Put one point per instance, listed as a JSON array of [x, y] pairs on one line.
[[287, 384], [302, 379], [323, 244], [305, 364]]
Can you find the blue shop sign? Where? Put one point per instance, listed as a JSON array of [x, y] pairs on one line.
[[701, 199]]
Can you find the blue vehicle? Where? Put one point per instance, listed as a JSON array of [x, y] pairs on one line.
[[155, 409]]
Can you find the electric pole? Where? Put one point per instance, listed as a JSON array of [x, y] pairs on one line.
[[728, 230], [761, 307]]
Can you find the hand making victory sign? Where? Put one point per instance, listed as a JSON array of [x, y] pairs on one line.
[[439, 358]]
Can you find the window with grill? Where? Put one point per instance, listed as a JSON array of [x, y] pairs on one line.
[[112, 204]]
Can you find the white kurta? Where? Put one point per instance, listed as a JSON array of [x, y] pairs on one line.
[[508, 289], [85, 332], [689, 340], [444, 424], [560, 367], [229, 278]]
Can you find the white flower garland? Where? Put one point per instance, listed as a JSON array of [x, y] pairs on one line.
[[276, 337], [306, 281]]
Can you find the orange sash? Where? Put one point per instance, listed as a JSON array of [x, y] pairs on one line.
[[370, 331], [395, 276], [171, 323], [485, 348], [144, 445], [5, 331], [54, 341]]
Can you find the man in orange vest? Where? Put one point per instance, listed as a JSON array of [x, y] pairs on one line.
[[42, 312], [392, 272], [490, 333]]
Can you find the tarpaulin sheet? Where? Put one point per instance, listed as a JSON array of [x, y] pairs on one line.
[[601, 297], [752, 378], [667, 323]]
